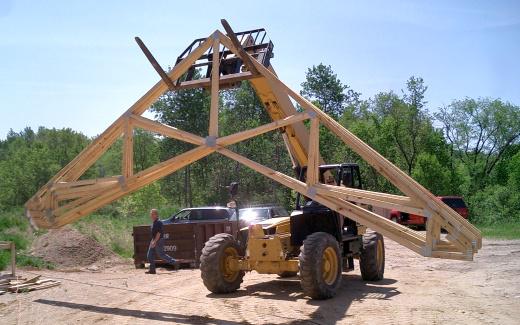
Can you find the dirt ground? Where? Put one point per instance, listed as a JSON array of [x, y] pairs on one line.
[[416, 290]]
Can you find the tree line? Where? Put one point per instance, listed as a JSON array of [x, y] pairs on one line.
[[470, 147]]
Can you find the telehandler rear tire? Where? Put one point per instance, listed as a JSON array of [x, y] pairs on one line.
[[372, 258], [320, 266], [214, 267]]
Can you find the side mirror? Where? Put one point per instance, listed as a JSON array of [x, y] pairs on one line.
[[233, 188]]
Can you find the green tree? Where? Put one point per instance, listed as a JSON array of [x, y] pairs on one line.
[[324, 88], [432, 175], [480, 132], [405, 121]]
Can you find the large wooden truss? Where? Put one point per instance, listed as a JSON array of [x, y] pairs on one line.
[[65, 198]]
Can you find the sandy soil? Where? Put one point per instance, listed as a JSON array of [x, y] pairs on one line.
[[70, 250], [417, 290]]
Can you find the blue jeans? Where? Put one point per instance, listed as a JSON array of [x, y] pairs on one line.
[[158, 250]]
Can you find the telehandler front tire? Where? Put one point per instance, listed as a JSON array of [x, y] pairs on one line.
[[372, 258], [320, 266], [214, 264]]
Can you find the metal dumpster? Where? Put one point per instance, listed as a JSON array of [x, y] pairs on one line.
[[184, 242]]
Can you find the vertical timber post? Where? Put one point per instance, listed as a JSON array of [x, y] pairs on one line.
[[313, 173], [128, 149], [13, 259], [215, 73]]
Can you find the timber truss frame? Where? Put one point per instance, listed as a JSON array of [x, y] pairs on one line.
[[65, 198]]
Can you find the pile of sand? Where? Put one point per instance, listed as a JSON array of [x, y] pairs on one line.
[[68, 248]]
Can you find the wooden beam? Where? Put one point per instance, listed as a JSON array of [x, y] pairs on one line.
[[313, 172], [80, 191], [241, 136], [215, 73], [84, 182], [354, 193], [373, 198], [127, 168], [155, 64], [224, 81], [13, 259], [243, 55], [166, 130]]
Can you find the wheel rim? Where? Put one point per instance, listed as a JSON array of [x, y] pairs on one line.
[[380, 255], [229, 275], [330, 265]]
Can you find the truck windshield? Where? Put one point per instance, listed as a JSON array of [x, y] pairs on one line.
[[209, 214], [254, 214], [454, 202]]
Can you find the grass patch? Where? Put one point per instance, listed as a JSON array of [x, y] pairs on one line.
[[33, 261], [23, 260], [501, 230], [14, 227]]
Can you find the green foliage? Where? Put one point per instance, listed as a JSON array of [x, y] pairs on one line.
[[495, 204], [204, 182], [141, 201], [429, 173], [506, 230], [323, 87], [33, 261], [480, 131], [514, 172], [28, 160], [15, 227]]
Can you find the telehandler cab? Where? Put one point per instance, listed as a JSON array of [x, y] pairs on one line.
[[315, 241]]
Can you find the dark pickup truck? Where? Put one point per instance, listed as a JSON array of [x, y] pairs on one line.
[[454, 202]]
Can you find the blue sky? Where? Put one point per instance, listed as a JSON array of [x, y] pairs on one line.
[[75, 63]]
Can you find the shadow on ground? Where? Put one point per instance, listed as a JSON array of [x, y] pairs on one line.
[[326, 312], [148, 315], [329, 311]]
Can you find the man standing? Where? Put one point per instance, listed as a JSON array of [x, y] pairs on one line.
[[157, 243]]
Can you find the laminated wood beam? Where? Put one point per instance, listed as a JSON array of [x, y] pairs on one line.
[[313, 172], [127, 168], [73, 204], [354, 193], [382, 202], [243, 55], [166, 130], [79, 191], [224, 81], [84, 182], [215, 73], [155, 64], [244, 135]]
